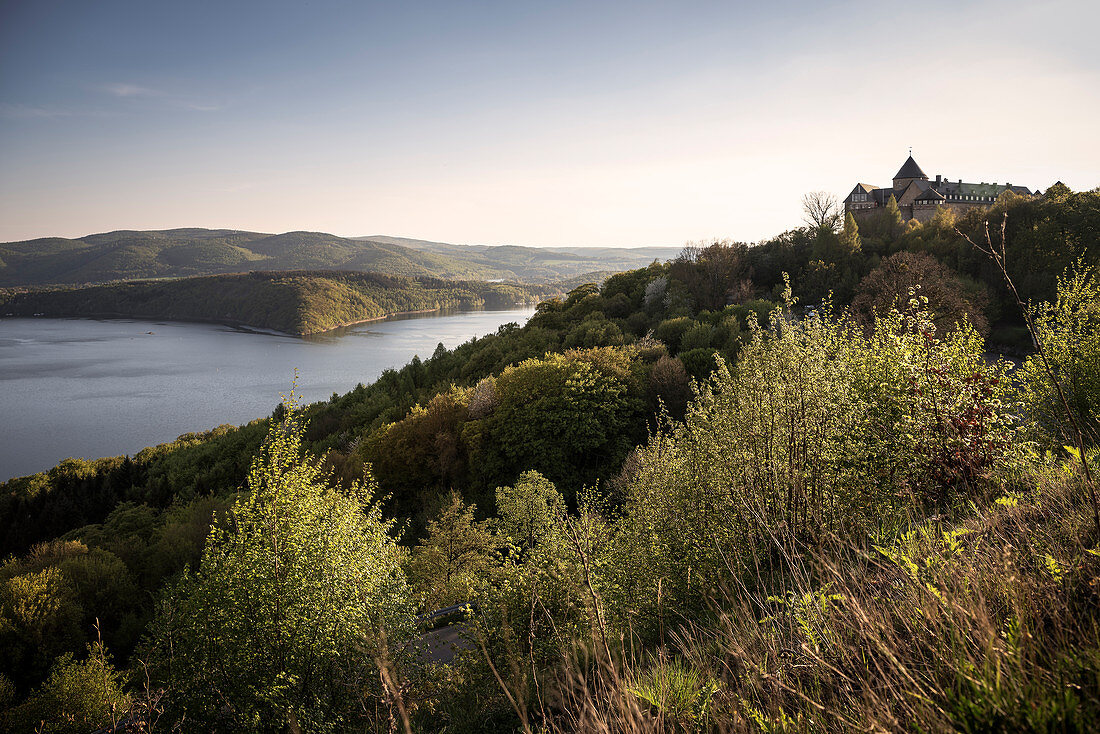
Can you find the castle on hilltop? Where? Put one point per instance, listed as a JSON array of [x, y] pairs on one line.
[[918, 197]]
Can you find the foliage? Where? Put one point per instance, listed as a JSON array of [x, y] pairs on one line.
[[298, 594], [950, 299], [529, 510], [677, 693], [841, 504], [78, 697], [40, 618], [453, 562], [425, 450], [294, 302], [820, 432], [1070, 332], [568, 416], [984, 625]]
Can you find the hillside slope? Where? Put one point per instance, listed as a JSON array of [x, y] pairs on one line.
[[294, 302], [549, 263], [175, 253]]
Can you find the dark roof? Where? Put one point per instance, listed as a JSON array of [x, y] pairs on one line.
[[862, 187], [955, 189], [930, 194], [881, 196], [910, 169]]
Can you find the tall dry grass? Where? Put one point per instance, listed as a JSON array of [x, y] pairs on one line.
[[987, 624]]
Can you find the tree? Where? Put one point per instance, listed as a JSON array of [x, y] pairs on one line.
[[103, 585], [951, 298], [423, 451], [713, 273], [529, 509], [1069, 331], [849, 236], [455, 558], [569, 416], [821, 210], [893, 214], [292, 603], [78, 697], [40, 616]]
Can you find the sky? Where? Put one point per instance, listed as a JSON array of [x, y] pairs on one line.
[[530, 123]]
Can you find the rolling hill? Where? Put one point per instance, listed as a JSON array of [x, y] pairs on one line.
[[293, 302], [132, 255]]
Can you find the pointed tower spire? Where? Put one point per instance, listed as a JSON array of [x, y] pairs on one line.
[[908, 173]]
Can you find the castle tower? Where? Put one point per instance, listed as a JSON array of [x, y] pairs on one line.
[[907, 174]]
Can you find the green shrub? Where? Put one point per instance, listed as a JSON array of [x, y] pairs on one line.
[[676, 693], [288, 612], [78, 697], [820, 432], [1069, 331]]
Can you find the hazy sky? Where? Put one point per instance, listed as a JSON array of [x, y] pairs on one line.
[[536, 123]]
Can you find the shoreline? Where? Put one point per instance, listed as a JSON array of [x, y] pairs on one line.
[[114, 315], [367, 321]]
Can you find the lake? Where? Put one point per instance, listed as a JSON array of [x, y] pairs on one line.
[[90, 388]]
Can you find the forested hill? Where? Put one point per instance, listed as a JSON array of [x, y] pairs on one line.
[[537, 258], [849, 519], [130, 255], [295, 302]]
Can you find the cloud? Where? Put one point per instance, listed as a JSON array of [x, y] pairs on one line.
[[124, 90], [27, 112], [131, 90], [10, 111]]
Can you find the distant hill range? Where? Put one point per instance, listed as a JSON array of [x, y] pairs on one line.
[[173, 253], [293, 302]]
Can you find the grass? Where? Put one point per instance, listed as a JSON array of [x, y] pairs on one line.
[[988, 623]]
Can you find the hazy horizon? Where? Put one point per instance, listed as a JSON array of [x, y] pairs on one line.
[[345, 236], [598, 125]]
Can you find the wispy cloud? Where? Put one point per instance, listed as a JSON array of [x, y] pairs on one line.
[[131, 90], [28, 112], [10, 111], [124, 90]]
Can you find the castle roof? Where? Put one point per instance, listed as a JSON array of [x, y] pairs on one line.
[[978, 191], [910, 169], [930, 194]]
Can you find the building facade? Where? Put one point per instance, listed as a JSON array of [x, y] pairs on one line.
[[919, 198]]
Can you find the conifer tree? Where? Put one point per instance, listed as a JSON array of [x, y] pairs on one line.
[[893, 213], [849, 236]]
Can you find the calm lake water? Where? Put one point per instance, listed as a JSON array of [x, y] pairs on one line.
[[90, 388]]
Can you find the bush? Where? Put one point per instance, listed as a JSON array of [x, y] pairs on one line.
[[291, 606], [78, 697], [1069, 331], [671, 331], [821, 432]]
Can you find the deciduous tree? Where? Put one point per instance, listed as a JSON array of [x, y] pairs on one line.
[[298, 591]]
